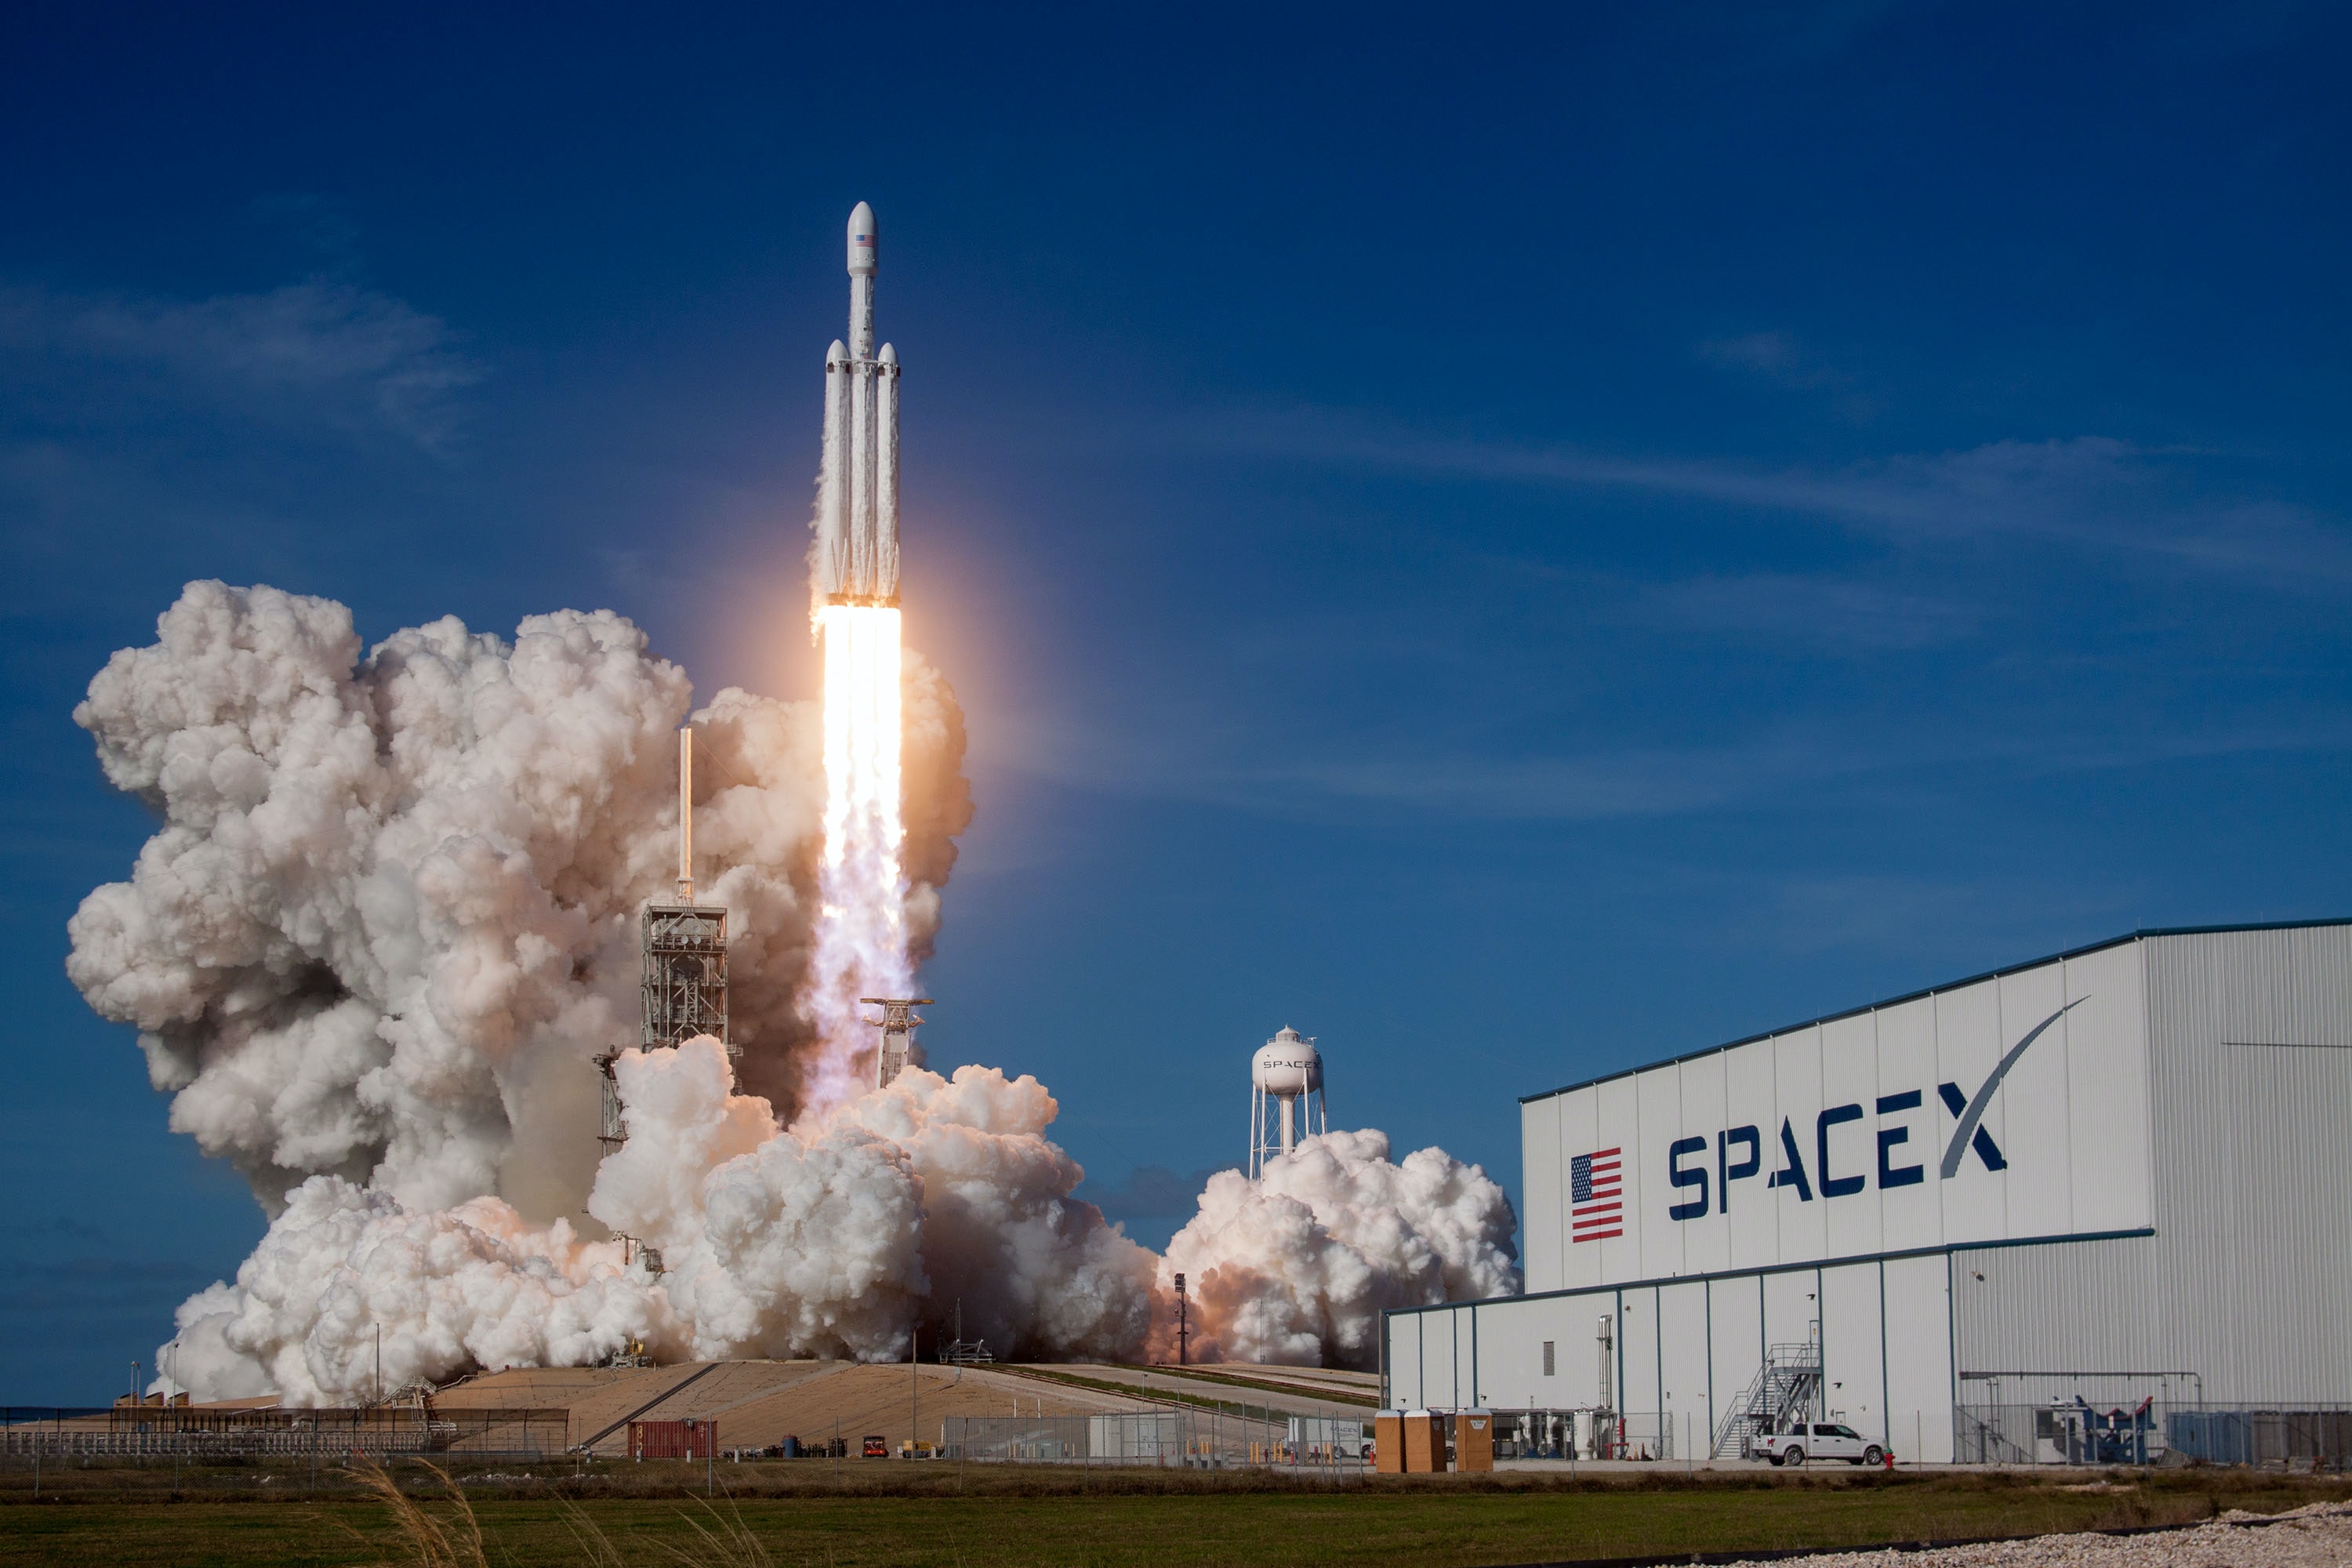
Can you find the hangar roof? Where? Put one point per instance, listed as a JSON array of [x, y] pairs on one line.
[[1931, 991]]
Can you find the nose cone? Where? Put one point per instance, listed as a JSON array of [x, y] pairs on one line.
[[889, 356], [864, 253]]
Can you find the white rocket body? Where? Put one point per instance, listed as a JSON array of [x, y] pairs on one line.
[[856, 560], [830, 567]]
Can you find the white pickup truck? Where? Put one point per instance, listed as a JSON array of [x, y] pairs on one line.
[[1821, 1440]]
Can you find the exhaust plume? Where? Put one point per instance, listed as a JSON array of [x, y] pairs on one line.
[[1297, 1267], [389, 919]]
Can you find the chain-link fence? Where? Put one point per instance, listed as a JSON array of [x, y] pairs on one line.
[[2151, 1430], [1204, 1439], [164, 1432], [1590, 1435]]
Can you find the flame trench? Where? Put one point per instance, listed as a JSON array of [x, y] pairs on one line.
[[861, 928]]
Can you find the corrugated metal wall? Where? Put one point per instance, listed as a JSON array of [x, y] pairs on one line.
[[2072, 1306], [2252, 1060], [2248, 1280]]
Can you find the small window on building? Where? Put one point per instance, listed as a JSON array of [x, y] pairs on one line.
[[1548, 1358]]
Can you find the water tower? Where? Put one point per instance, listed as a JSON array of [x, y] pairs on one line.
[[1285, 1086]]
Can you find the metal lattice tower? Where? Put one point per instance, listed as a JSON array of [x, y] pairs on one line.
[[684, 948], [898, 1025]]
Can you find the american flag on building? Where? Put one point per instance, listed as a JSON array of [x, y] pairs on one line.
[[1596, 1200]]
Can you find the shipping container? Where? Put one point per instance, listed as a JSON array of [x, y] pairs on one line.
[[673, 1439]]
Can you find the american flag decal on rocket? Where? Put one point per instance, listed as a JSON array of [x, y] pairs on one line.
[[1596, 1200]]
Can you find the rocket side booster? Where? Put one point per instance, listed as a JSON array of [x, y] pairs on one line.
[[857, 557]]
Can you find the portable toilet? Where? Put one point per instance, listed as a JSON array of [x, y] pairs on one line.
[[1425, 1443], [1474, 1440], [1387, 1442]]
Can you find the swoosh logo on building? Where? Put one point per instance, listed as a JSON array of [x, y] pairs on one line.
[[1975, 1113]]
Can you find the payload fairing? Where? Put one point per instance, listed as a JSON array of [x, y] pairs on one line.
[[857, 488]]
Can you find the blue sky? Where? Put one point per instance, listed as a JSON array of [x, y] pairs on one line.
[[1515, 541]]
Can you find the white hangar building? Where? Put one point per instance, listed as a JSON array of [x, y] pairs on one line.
[[2116, 1175]]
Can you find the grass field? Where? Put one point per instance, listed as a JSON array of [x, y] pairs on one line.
[[1000, 1515]]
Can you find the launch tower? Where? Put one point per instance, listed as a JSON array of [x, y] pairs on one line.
[[684, 982], [897, 1024]]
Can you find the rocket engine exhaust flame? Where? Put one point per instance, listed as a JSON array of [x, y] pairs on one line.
[[861, 934]]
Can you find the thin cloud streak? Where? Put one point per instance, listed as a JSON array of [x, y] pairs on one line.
[[317, 351], [1821, 611], [2091, 490], [1610, 784]]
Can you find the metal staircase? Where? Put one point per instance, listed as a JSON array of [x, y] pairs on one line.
[[1786, 1387]]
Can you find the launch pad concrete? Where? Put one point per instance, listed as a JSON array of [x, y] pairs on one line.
[[758, 1403]]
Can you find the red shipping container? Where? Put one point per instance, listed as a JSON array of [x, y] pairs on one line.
[[673, 1439]]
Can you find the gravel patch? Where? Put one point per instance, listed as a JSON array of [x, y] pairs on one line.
[[2317, 1536]]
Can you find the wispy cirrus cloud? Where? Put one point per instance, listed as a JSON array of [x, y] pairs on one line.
[[1830, 611], [313, 352], [1772, 766], [2089, 492], [1783, 361]]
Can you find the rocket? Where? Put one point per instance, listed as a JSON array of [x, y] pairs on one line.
[[856, 558]]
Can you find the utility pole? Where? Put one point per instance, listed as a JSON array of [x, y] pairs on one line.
[[379, 1364]]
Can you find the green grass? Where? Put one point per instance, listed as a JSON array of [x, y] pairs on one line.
[[1007, 1515]]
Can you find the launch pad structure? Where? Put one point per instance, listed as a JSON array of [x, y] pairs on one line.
[[683, 985], [897, 1024]]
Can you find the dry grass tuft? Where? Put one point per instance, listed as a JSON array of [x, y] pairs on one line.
[[719, 1539], [430, 1544]]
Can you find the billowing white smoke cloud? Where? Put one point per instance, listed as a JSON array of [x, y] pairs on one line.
[[776, 1244], [450, 1290], [775, 1247], [390, 919], [391, 916], [833, 1241], [1298, 1266]]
